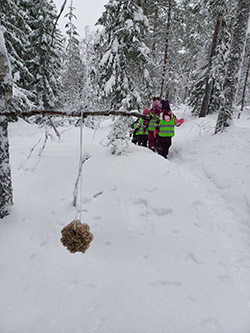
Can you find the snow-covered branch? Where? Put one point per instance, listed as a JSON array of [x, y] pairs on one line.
[[76, 114]]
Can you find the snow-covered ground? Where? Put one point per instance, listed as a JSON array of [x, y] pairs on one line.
[[171, 248]]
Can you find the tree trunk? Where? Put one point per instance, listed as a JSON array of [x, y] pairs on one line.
[[6, 199], [166, 48], [5, 173], [208, 87], [244, 90], [246, 61], [233, 66], [154, 32]]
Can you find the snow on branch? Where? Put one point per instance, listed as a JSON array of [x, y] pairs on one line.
[[32, 113]]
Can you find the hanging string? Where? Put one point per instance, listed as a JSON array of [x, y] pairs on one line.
[[79, 179], [81, 161], [76, 236]]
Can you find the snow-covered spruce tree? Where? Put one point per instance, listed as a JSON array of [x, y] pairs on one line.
[[123, 74], [73, 70], [13, 17], [165, 42], [209, 79], [202, 37], [219, 61], [123, 70], [178, 62], [156, 36], [173, 38], [220, 13], [244, 82], [233, 65], [118, 137], [45, 53], [184, 43], [90, 93], [5, 97]]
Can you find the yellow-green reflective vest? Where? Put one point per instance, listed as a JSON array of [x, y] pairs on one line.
[[140, 129], [166, 128], [135, 125], [151, 125]]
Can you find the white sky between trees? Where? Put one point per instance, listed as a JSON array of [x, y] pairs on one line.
[[87, 13]]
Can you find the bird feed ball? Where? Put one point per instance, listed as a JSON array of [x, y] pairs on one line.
[[76, 236]]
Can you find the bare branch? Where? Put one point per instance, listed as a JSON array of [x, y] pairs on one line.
[[107, 113], [75, 192], [57, 19]]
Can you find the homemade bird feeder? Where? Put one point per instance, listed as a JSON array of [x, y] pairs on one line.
[[76, 236]]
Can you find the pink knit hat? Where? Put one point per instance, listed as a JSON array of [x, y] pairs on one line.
[[156, 102], [146, 111]]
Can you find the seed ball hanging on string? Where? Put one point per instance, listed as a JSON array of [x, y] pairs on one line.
[[76, 236]]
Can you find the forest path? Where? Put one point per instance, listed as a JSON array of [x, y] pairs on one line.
[[223, 189]]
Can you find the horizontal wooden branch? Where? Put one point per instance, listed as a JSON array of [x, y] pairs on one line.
[[75, 114]]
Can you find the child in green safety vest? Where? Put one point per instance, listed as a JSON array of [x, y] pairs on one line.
[[141, 131], [154, 116], [165, 128]]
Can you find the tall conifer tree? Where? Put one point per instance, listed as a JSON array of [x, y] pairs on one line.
[[44, 54], [233, 65], [13, 17], [73, 71], [124, 76]]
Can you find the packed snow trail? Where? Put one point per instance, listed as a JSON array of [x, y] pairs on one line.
[[223, 182]]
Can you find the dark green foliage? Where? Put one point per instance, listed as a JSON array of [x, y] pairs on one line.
[[124, 77], [73, 69], [44, 59]]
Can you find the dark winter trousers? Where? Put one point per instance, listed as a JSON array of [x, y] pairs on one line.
[[142, 140], [164, 144], [151, 141]]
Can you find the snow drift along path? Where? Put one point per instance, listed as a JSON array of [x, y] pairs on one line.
[[221, 174], [168, 254]]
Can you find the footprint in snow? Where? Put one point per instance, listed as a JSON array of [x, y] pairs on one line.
[[223, 278], [150, 190], [97, 217], [162, 211], [143, 207], [211, 324], [164, 283], [196, 204], [192, 257]]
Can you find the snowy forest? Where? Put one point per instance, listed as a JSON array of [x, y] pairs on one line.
[[170, 237]]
